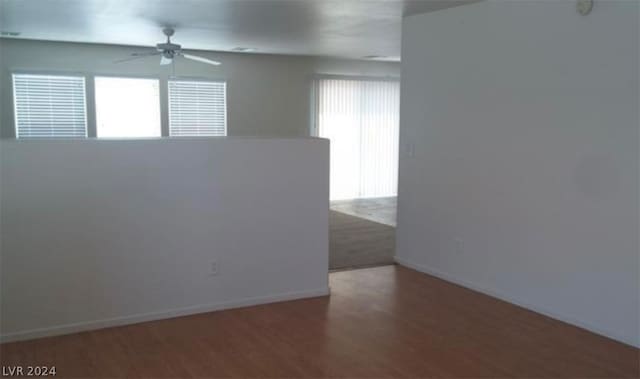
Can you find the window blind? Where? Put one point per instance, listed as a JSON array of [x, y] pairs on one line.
[[361, 118], [49, 106], [197, 108]]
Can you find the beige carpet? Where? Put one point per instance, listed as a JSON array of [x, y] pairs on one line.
[[376, 209], [356, 242]]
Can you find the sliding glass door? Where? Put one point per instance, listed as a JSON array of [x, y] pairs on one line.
[[361, 119]]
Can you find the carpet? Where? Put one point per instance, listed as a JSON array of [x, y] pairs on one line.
[[356, 242], [376, 209]]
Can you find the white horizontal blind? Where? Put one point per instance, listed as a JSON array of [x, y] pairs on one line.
[[197, 108], [49, 106], [361, 118]]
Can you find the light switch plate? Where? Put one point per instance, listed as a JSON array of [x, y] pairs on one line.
[[409, 149]]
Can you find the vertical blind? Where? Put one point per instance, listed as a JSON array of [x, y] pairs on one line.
[[49, 106], [197, 108], [361, 118]]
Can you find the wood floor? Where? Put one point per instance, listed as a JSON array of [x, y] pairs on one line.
[[380, 322]]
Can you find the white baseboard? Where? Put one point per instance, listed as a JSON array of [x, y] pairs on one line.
[[502, 296], [159, 315]]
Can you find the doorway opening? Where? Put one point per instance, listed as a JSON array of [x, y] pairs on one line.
[[360, 117]]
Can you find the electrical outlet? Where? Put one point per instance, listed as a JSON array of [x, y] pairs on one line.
[[214, 268]]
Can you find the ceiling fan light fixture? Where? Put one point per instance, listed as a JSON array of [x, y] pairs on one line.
[[168, 51]]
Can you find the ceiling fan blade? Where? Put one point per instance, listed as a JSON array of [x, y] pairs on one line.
[[146, 53], [165, 61], [200, 59], [138, 55]]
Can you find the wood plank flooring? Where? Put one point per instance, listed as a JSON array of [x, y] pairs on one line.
[[381, 322]]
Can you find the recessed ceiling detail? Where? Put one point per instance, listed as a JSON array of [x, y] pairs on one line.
[[342, 28], [379, 57], [243, 49]]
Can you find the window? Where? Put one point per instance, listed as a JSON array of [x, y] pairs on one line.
[[49, 106], [362, 120], [127, 107], [197, 108]]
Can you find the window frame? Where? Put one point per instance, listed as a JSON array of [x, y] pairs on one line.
[[160, 81], [90, 96], [202, 80], [69, 74]]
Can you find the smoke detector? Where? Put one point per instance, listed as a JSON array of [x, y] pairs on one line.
[[584, 7]]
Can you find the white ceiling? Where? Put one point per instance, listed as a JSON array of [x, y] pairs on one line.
[[343, 28]]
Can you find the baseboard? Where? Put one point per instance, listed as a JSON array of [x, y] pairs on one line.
[[509, 299], [152, 316]]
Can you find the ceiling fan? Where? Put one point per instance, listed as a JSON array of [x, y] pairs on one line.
[[168, 51]]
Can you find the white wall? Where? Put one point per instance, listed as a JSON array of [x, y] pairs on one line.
[[267, 95], [98, 233], [523, 116]]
